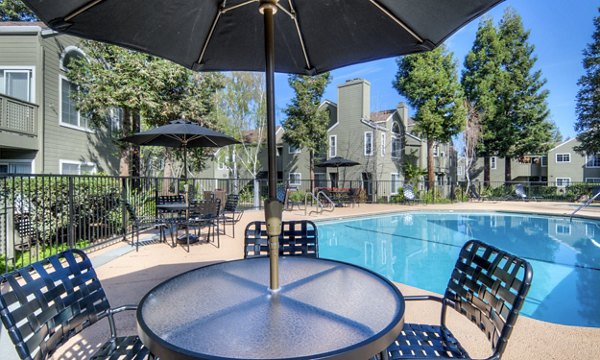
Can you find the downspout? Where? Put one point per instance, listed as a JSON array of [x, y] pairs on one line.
[[42, 121]]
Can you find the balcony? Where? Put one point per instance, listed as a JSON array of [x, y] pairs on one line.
[[18, 117]]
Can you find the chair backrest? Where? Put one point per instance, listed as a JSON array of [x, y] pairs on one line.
[[44, 304], [231, 203], [488, 286], [297, 238], [520, 191], [409, 193], [205, 209], [169, 199], [473, 192]]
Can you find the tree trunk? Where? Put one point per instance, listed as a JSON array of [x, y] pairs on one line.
[[256, 193], [167, 187], [507, 170], [486, 171], [125, 149], [430, 174]]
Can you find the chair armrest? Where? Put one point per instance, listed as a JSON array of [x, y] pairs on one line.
[[424, 297], [118, 309], [111, 319]]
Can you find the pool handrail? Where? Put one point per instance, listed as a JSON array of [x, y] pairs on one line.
[[585, 204]]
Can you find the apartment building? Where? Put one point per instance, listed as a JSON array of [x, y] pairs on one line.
[[41, 131]]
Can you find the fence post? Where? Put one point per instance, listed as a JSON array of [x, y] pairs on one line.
[[123, 208], [155, 197], [71, 199]]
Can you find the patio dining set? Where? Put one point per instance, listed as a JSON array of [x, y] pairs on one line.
[[324, 309]]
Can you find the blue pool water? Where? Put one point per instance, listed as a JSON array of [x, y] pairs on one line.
[[420, 249]]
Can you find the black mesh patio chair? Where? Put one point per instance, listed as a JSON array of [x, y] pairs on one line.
[[138, 222], [230, 213], [45, 304], [409, 194], [488, 286], [205, 214], [297, 238]]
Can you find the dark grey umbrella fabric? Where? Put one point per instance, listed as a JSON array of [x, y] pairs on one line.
[[311, 36], [179, 134], [337, 161]]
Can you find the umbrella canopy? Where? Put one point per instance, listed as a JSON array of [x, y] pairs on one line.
[[312, 37], [337, 161]]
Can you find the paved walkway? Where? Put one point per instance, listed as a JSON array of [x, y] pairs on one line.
[[132, 274]]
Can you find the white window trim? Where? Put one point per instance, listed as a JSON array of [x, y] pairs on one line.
[[399, 152], [562, 179], [298, 151], [562, 162], [67, 50], [383, 144], [365, 144], [27, 68], [587, 157], [394, 189], [493, 162], [299, 178], [9, 161], [562, 226], [334, 154], [74, 162], [60, 120], [597, 180]]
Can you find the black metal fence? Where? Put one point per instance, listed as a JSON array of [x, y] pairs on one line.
[[44, 214]]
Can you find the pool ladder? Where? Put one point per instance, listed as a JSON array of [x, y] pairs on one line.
[[315, 199], [584, 205]]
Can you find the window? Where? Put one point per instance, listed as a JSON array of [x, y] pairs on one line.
[[17, 82], [592, 161], [440, 180], [493, 161], [222, 163], [436, 150], [396, 150], [368, 143], [593, 180], [332, 146], [544, 161], [395, 183], [292, 149], [295, 178], [563, 158], [563, 229], [16, 166], [563, 181], [76, 168], [382, 145], [459, 171], [69, 115]]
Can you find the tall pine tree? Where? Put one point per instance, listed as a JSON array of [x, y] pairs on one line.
[[429, 81], [588, 97], [306, 124]]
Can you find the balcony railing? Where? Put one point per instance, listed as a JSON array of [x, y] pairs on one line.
[[17, 115]]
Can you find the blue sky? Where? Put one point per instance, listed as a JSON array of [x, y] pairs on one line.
[[560, 30]]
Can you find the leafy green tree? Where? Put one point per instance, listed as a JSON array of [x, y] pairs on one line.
[[501, 84], [242, 112], [588, 98], [306, 124], [429, 81], [144, 88], [15, 10]]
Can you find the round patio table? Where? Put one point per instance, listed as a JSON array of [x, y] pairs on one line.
[[324, 309]]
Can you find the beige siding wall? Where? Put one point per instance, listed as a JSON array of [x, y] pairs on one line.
[[64, 143]]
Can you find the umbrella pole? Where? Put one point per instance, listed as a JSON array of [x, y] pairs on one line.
[[273, 208], [187, 201]]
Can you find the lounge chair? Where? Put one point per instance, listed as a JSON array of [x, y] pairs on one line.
[[46, 303], [297, 238], [409, 194], [488, 286]]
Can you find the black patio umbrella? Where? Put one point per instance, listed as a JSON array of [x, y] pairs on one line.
[[182, 134], [337, 162], [223, 35]]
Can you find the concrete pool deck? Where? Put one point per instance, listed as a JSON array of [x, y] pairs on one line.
[[128, 275]]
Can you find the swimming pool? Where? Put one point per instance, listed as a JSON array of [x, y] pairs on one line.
[[420, 249]]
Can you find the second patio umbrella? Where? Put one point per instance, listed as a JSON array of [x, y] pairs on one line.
[[223, 35], [182, 134], [338, 162]]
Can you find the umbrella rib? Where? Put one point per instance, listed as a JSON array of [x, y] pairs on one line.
[[82, 9], [397, 21], [192, 138], [222, 10], [292, 15]]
